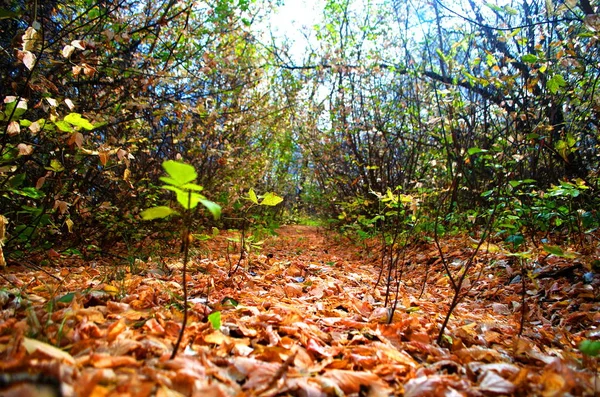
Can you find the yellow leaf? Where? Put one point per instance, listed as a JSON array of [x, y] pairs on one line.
[[32, 345], [252, 196], [69, 224], [3, 223], [488, 247], [111, 289]]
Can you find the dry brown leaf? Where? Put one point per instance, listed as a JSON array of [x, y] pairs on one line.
[[153, 327], [33, 346], [103, 156], [293, 290], [13, 128], [494, 384], [24, 149], [106, 361], [257, 373], [352, 382], [434, 386]]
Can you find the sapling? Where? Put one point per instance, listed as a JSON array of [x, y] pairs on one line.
[[269, 199], [181, 179]]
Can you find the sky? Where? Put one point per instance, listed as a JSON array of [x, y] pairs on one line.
[[298, 16], [295, 17]]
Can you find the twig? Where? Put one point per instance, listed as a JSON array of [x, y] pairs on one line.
[[36, 267]]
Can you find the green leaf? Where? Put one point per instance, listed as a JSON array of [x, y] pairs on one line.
[[475, 150], [55, 166], [556, 250], [529, 58], [553, 249], [494, 7], [4, 14], [157, 212], [180, 173], [214, 208], [67, 298], [169, 181], [94, 13], [17, 180], [589, 347], [227, 301], [201, 237], [215, 320], [187, 200], [555, 83], [252, 196], [64, 126], [514, 183], [30, 192], [515, 239], [78, 121], [271, 199], [21, 107], [192, 186]]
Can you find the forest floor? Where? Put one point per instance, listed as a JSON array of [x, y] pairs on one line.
[[303, 318]]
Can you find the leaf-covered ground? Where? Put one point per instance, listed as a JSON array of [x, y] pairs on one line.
[[303, 318]]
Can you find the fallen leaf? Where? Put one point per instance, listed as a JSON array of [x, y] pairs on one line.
[[32, 345], [107, 361], [353, 381], [495, 384]]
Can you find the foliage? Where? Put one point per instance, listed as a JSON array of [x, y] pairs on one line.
[[589, 347], [181, 180], [94, 94], [247, 244], [215, 320]]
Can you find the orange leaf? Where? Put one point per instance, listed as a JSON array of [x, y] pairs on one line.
[[115, 329], [103, 157], [106, 361], [351, 382]]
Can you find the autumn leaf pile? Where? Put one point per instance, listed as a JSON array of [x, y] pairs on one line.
[[302, 318]]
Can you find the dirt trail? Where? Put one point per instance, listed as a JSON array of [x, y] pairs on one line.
[[302, 317]]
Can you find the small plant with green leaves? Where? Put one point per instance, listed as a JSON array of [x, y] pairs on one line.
[[398, 217], [181, 179], [516, 244], [249, 243]]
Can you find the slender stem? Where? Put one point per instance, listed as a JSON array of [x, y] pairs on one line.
[[186, 249], [242, 243], [523, 297], [458, 284]]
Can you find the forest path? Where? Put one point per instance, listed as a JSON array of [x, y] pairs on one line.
[[319, 278], [303, 317]]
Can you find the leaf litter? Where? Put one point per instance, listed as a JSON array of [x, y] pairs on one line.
[[301, 318]]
